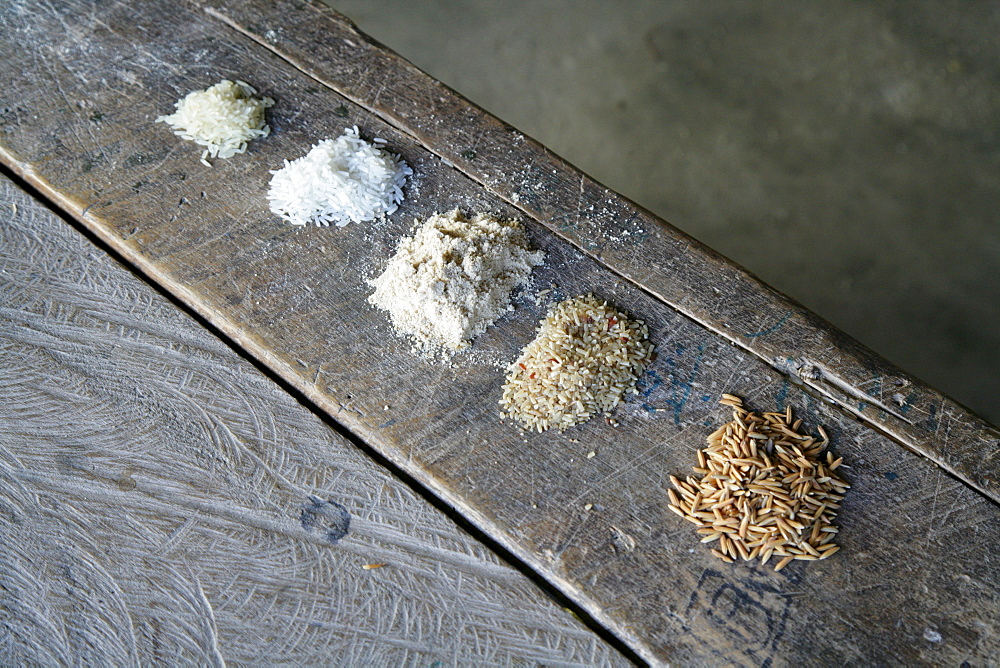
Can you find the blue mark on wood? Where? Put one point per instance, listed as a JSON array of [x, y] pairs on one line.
[[890, 475], [748, 612], [875, 392], [782, 395], [680, 389], [772, 329], [327, 517], [932, 421], [907, 404], [653, 384]]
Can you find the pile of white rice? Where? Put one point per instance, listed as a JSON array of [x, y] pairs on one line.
[[585, 357], [339, 181], [453, 278], [222, 118]]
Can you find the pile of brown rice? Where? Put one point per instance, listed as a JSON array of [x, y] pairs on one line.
[[585, 357], [764, 491]]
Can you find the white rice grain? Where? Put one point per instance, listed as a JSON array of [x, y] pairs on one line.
[[339, 181]]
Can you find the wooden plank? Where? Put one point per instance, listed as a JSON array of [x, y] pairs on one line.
[[630, 241], [295, 299], [164, 501]]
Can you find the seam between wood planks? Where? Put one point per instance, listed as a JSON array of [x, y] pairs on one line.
[[803, 371], [71, 212]]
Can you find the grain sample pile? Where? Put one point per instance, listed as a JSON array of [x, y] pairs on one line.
[[765, 490], [453, 278], [339, 181], [586, 356], [222, 118]]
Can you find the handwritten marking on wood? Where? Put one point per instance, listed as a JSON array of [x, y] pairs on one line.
[[162, 501]]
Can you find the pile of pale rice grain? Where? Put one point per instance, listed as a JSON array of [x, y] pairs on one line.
[[765, 490], [585, 357], [222, 118]]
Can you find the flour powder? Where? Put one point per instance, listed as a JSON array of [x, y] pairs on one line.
[[453, 278]]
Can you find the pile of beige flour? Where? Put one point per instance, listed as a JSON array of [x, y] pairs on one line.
[[448, 282]]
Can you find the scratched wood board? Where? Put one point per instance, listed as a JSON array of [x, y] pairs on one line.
[[79, 127], [627, 239], [164, 501]]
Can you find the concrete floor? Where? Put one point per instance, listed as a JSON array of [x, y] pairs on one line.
[[847, 153]]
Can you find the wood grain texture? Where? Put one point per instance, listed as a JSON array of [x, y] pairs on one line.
[[628, 240], [164, 502], [917, 542]]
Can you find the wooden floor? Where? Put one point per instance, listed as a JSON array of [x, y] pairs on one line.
[[163, 499], [165, 502]]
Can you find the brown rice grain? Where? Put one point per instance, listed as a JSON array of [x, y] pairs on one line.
[[585, 357]]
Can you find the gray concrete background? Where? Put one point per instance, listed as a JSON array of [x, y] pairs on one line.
[[847, 153]]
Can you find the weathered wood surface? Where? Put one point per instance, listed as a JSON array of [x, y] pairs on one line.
[[163, 501], [627, 239], [919, 545]]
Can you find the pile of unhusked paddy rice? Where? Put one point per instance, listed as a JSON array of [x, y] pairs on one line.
[[765, 490], [453, 278], [585, 357], [339, 181], [222, 118]]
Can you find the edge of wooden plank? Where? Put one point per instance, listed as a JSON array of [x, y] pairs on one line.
[[677, 269], [152, 326], [566, 566], [627, 642]]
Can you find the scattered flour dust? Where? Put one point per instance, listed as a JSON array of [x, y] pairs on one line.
[[453, 278]]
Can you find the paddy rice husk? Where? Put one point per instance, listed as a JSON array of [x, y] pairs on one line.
[[763, 489]]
